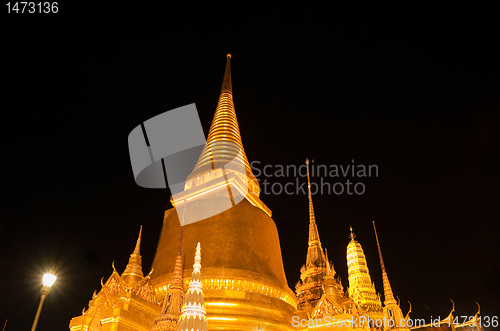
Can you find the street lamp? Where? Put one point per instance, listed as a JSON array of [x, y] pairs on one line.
[[48, 281]]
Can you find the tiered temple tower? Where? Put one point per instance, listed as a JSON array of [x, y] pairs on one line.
[[392, 313], [194, 316], [244, 281], [361, 287], [312, 275]]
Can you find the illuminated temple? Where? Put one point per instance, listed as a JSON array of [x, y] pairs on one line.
[[241, 284]]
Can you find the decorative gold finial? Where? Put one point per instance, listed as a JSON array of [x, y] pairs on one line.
[[352, 235], [408, 313]]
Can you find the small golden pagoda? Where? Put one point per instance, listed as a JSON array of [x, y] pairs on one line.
[[361, 288]]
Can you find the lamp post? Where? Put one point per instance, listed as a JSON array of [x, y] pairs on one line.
[[48, 281]]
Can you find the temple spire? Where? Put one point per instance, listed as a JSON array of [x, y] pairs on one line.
[[315, 252], [177, 277], [313, 274], [194, 316], [174, 298], [223, 153], [227, 86], [133, 271], [388, 295], [138, 243]]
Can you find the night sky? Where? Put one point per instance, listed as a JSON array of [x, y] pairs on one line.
[[411, 89]]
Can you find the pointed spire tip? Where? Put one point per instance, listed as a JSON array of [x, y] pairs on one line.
[[138, 244], [352, 235], [227, 85]]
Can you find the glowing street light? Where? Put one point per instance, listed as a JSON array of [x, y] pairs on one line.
[[48, 281]]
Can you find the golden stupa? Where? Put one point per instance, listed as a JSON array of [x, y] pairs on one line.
[[242, 284], [243, 276]]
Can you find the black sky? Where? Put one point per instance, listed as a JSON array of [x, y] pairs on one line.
[[413, 89]]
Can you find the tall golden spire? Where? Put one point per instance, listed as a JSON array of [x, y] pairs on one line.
[[312, 275], [315, 255], [392, 312], [388, 295], [224, 147], [133, 271]]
